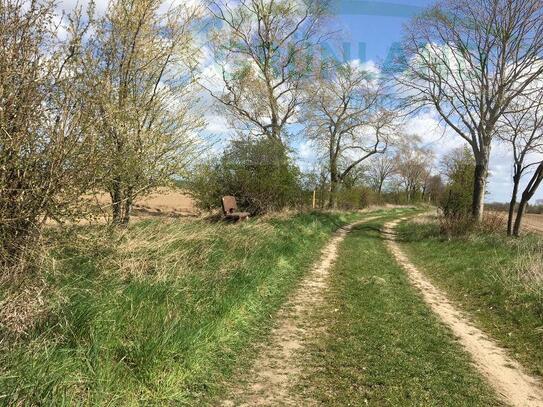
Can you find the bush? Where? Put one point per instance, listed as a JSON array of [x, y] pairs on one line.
[[356, 197], [492, 223], [457, 199], [259, 173], [453, 225]]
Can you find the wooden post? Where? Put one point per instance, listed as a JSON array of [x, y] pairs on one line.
[[314, 198]]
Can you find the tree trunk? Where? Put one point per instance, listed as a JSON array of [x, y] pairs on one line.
[[520, 215], [479, 185], [127, 207], [528, 193], [334, 181], [332, 203], [516, 180], [116, 200]]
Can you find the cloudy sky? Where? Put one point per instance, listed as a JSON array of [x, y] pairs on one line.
[[370, 31]]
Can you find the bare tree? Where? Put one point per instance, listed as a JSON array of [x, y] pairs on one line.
[[522, 130], [264, 50], [141, 65], [413, 168], [529, 191], [380, 169], [346, 117], [46, 153], [469, 60]]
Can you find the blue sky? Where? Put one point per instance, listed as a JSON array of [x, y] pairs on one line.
[[374, 25]]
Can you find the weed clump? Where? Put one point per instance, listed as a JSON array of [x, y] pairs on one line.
[[463, 225]]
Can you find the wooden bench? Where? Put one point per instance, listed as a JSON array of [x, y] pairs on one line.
[[230, 209]]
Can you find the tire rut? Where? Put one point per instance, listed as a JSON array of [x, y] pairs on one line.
[[506, 375], [276, 370]]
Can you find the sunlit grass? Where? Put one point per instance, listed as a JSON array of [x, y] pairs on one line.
[[497, 279], [380, 344], [159, 313]]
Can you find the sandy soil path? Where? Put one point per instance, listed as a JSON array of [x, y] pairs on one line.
[[275, 371], [505, 374]]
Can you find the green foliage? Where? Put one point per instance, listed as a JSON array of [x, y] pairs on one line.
[[259, 173], [356, 197], [458, 196]]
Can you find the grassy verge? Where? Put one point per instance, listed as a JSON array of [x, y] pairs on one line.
[[498, 280], [158, 314], [381, 345]]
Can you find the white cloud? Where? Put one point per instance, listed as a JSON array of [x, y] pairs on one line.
[[217, 124], [306, 155]]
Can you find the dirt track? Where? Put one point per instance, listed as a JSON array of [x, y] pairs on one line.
[[275, 370], [505, 374]]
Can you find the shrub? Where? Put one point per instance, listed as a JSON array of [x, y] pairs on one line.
[[492, 223], [457, 198], [350, 197], [46, 152], [259, 173], [453, 225], [204, 186]]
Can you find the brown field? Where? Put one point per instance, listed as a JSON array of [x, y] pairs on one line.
[[166, 202], [163, 202], [534, 222]]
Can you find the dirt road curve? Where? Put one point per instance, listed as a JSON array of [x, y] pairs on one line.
[[506, 375]]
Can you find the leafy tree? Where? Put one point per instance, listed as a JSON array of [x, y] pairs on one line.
[[434, 189], [258, 172], [264, 49], [140, 66], [458, 169], [47, 155]]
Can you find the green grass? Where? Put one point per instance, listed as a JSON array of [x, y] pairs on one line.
[[160, 314], [381, 344], [498, 280]]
